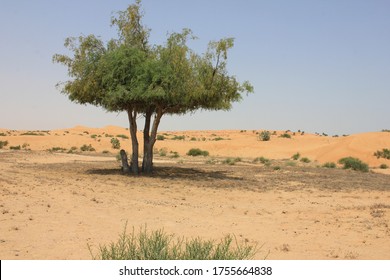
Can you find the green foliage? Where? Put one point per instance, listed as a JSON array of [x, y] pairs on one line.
[[3, 144], [265, 135], [305, 160], [262, 160], [296, 156], [122, 136], [160, 137], [33, 133], [108, 135], [329, 165], [87, 148], [276, 168], [193, 139], [354, 164], [383, 166], [115, 143], [181, 137], [385, 153], [174, 154], [163, 152], [285, 135], [93, 136], [232, 161], [197, 152], [57, 149], [15, 147], [158, 245]]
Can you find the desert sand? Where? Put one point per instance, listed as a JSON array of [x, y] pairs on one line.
[[53, 204]]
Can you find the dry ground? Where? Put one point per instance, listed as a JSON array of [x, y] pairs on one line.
[[52, 205]]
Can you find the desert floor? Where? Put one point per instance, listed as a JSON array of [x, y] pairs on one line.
[[54, 204]]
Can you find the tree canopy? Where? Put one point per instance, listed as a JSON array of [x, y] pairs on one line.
[[128, 74]]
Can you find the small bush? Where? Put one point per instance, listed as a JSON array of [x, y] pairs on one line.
[[262, 160], [285, 135], [385, 130], [182, 137], [329, 165], [115, 143], [231, 161], [385, 153], [383, 166], [3, 134], [276, 168], [122, 136], [197, 152], [193, 139], [174, 154], [158, 245], [87, 148], [160, 137], [33, 133], [305, 160], [265, 135], [354, 164], [296, 156], [93, 136], [106, 152], [15, 147], [108, 135], [57, 149], [3, 144], [163, 152], [218, 139]]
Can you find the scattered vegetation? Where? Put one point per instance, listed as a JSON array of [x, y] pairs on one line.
[[383, 166], [354, 164], [3, 144], [93, 136], [296, 156], [57, 149], [285, 135], [108, 135], [305, 160], [87, 148], [197, 152], [15, 147], [329, 165], [106, 152], [265, 135], [160, 137], [385, 153], [174, 154], [158, 245], [232, 161], [181, 137], [115, 143], [33, 133], [385, 130], [122, 136], [72, 150], [163, 152], [3, 134], [262, 160]]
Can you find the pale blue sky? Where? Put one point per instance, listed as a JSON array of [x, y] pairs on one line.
[[318, 66]]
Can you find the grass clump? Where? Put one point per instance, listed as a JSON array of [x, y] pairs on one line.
[[158, 245], [385, 153], [15, 147], [354, 164], [262, 160], [232, 161], [162, 152], [265, 135], [285, 135], [87, 148], [115, 143], [383, 166], [57, 149], [3, 144], [33, 133], [182, 137], [296, 156], [160, 137], [329, 165], [3, 134], [305, 160], [122, 136], [197, 152], [174, 154]]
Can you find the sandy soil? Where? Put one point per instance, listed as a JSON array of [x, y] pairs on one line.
[[53, 204]]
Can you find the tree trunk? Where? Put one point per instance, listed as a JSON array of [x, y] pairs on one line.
[[148, 117], [132, 114], [125, 163], [149, 141]]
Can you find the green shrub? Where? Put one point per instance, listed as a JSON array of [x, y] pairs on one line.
[[383, 166], [305, 160], [329, 165], [262, 160], [122, 136], [33, 133], [106, 152], [15, 147], [385, 153], [296, 156], [115, 143], [87, 148], [163, 152], [231, 161], [218, 139], [276, 168], [354, 164], [265, 135], [158, 245], [182, 137], [174, 154], [197, 152], [57, 149], [285, 135], [108, 135], [93, 136], [160, 137], [3, 144], [193, 139]]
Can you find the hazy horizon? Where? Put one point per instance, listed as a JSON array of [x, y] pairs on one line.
[[316, 66]]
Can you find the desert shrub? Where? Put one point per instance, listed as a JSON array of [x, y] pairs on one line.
[[385, 153], [108, 135], [115, 143], [296, 156], [291, 163], [85, 132], [329, 165], [232, 161], [197, 152], [158, 245], [265, 135], [305, 160], [122, 136], [285, 135], [72, 150], [106, 152], [3, 144], [163, 152], [262, 160], [3, 134], [174, 154], [354, 164], [193, 139], [276, 168], [383, 166], [385, 130], [160, 137], [33, 133], [93, 136], [218, 139], [15, 147], [87, 148], [57, 149], [182, 137]]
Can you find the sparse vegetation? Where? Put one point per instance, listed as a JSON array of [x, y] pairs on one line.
[[296, 156], [262, 160], [383, 166], [72, 150], [265, 135], [3, 134], [181, 137], [329, 165], [93, 136], [87, 148], [305, 160], [3, 144], [232, 161], [122, 136], [158, 245], [385, 153], [15, 147], [197, 152], [385, 130], [115, 143], [33, 133], [174, 154], [163, 152], [57, 149], [354, 164], [285, 135], [106, 152], [160, 137]]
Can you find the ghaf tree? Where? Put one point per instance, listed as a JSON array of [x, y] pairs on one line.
[[128, 74]]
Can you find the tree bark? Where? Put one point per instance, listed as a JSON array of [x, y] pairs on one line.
[[148, 117], [149, 141], [125, 163], [132, 114]]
